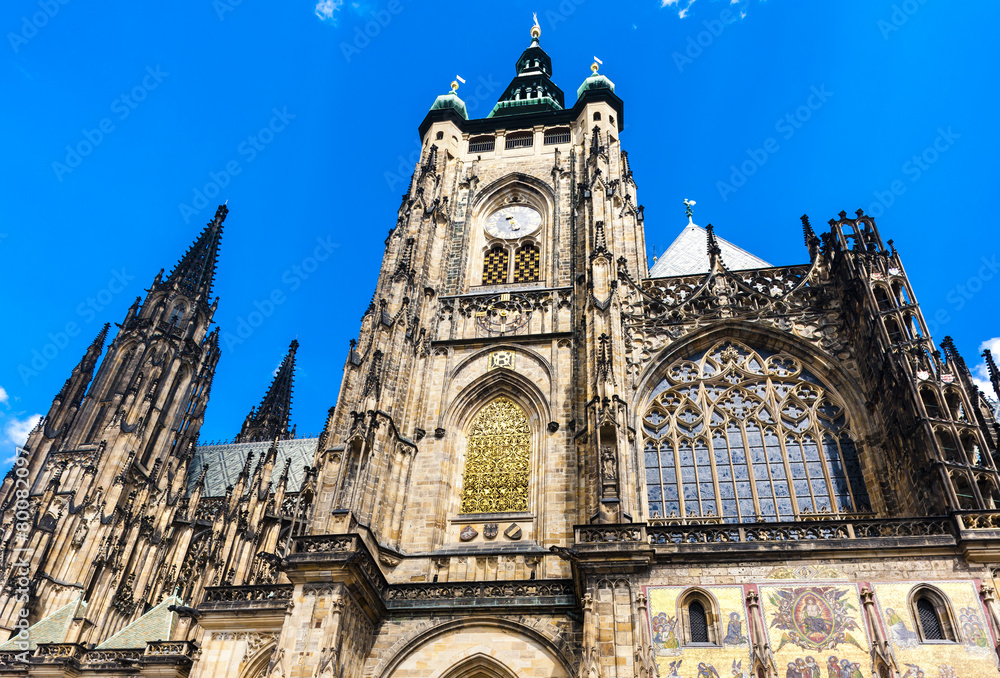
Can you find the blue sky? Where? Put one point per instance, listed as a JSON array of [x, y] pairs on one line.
[[122, 117]]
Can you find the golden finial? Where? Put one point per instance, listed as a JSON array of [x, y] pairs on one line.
[[536, 30], [594, 66], [454, 83]]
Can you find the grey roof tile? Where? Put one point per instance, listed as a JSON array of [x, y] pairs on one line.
[[688, 255]]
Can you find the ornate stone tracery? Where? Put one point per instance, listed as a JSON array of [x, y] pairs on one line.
[[741, 435], [498, 460]]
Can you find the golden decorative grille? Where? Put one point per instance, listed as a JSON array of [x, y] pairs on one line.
[[495, 266], [497, 460], [743, 435], [527, 264]]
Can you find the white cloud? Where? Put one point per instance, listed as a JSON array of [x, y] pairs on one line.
[[683, 12], [328, 9], [979, 373], [3, 395], [17, 430]]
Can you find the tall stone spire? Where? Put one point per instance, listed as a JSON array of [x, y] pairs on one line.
[[195, 271], [270, 419]]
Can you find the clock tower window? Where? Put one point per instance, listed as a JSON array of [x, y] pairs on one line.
[[495, 265], [527, 264]]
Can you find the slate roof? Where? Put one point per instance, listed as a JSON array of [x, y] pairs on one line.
[[53, 628], [157, 624], [225, 462], [688, 255]]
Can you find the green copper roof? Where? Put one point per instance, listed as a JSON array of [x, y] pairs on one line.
[[596, 81], [157, 624], [52, 629], [450, 100]]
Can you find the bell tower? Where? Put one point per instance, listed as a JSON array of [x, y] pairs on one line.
[[480, 408]]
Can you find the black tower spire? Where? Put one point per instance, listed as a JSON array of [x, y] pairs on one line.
[[195, 271], [270, 419], [532, 89]]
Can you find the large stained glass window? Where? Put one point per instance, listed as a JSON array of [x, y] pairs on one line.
[[744, 435], [497, 460]]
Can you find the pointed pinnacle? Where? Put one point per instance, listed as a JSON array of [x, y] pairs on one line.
[[713, 244], [98, 342], [991, 370], [195, 272]]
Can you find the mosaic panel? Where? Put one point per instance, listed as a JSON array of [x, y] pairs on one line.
[[816, 630], [730, 659], [971, 657]]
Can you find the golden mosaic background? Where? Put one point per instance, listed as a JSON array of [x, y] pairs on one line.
[[971, 657], [730, 660], [845, 641]]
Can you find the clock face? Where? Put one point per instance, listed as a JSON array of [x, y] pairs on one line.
[[513, 221]]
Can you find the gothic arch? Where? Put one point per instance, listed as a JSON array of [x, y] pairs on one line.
[[547, 639], [480, 665], [462, 412], [748, 426], [523, 350], [256, 665], [822, 364], [540, 194]]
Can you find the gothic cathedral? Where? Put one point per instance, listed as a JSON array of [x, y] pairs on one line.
[[546, 459]]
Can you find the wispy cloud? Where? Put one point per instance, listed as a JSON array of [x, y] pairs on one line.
[[672, 3], [683, 7], [979, 373], [14, 428], [327, 10]]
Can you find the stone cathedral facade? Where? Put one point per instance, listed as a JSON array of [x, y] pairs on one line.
[[546, 458]]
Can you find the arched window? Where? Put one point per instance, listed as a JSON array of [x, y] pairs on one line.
[[497, 460], [177, 315], [895, 334], [882, 298], [931, 404], [527, 264], [495, 266], [698, 622], [931, 610], [699, 618], [743, 435]]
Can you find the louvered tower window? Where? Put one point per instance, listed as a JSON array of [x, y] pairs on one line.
[[527, 264], [698, 622], [930, 623], [495, 266]]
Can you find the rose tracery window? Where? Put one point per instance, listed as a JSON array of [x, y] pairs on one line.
[[497, 460], [743, 435]]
